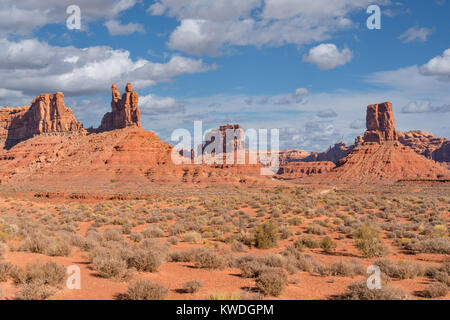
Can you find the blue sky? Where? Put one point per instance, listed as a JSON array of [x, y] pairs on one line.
[[307, 68]]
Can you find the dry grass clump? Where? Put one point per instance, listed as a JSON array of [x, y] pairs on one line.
[[431, 245], [48, 273], [192, 237], [145, 290], [360, 291], [306, 241], [192, 286], [38, 281], [342, 268], [401, 270], [3, 250], [208, 259], [435, 290], [145, 260], [46, 245], [111, 267], [272, 282], [7, 270], [34, 291]]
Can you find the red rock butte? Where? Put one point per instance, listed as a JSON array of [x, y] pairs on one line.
[[46, 147]]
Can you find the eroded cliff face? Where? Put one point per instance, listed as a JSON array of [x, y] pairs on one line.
[[426, 144], [46, 114], [380, 123], [124, 111]]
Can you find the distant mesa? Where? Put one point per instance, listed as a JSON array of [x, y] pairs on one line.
[[125, 111]]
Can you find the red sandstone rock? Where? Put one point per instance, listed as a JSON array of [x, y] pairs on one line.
[[299, 169], [443, 153], [380, 123], [125, 111], [46, 114], [333, 154], [380, 157], [423, 143]]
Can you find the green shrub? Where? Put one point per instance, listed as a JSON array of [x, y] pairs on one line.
[[369, 242], [327, 244], [266, 236]]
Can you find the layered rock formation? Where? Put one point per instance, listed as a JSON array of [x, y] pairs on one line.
[[292, 155], [333, 154], [380, 123], [124, 111], [299, 169], [382, 157], [47, 113], [424, 143], [443, 153]]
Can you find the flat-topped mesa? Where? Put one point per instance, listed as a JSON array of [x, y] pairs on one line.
[[124, 111], [380, 123], [47, 113]]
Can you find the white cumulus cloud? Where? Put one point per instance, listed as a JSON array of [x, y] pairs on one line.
[[327, 56]]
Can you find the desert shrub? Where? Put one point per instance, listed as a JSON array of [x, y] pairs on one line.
[[48, 273], [432, 245], [146, 290], [173, 240], [111, 267], [208, 259], [306, 241], [272, 282], [266, 236], [439, 273], [435, 290], [34, 291], [401, 270], [315, 228], [7, 269], [112, 234], [153, 232], [3, 250], [369, 242], [327, 244], [58, 249], [252, 268], [136, 236], [360, 291], [346, 268], [192, 286], [145, 260], [192, 237], [237, 246], [34, 244]]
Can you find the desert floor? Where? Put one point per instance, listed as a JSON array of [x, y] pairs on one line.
[[296, 242]]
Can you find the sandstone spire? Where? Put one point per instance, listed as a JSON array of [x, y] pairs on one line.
[[124, 111], [380, 123]]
